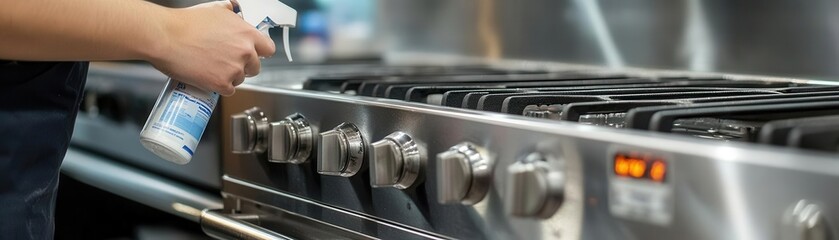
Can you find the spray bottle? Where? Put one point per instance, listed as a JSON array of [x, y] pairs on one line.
[[181, 112]]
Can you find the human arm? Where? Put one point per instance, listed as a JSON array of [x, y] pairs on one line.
[[207, 45]]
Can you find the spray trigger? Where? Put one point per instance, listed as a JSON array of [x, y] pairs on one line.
[[265, 14], [285, 44], [268, 24], [263, 28]]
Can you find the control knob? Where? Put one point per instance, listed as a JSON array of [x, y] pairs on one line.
[[463, 174], [291, 140], [805, 220], [534, 188], [396, 161], [249, 131], [341, 151]]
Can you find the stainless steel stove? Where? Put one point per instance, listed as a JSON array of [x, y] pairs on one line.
[[478, 126], [479, 152]]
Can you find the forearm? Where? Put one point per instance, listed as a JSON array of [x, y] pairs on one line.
[[206, 45], [82, 29]]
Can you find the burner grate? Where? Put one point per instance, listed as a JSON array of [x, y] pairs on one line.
[[697, 107]]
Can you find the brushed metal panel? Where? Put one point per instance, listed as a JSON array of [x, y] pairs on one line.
[[778, 38]]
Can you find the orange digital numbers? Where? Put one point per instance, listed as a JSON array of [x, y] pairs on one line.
[[639, 166], [658, 170], [621, 165]]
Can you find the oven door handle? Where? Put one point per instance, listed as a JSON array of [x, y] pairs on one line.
[[232, 226]]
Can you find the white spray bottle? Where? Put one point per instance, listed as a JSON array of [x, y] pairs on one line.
[[181, 112]]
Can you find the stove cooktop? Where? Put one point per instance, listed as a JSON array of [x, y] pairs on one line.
[[699, 107]]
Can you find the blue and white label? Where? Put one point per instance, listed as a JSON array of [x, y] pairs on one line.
[[187, 113], [179, 118]]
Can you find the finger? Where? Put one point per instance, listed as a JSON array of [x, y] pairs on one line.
[[252, 67], [227, 91], [264, 46], [238, 82], [230, 88], [231, 5]]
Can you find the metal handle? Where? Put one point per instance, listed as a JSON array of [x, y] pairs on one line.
[[222, 226]]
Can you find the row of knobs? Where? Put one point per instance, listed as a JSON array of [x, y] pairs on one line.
[[464, 172], [290, 139], [396, 160]]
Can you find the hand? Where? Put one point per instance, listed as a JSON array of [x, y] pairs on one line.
[[210, 47]]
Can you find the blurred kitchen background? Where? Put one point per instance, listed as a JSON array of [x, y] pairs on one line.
[[777, 38]]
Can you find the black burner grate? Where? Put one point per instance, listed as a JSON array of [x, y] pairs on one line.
[[778, 113]]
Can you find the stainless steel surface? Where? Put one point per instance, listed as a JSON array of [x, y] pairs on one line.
[[775, 38], [463, 174], [250, 129], [535, 188], [222, 226], [341, 151], [138, 185], [396, 161], [717, 189], [805, 220], [292, 140]]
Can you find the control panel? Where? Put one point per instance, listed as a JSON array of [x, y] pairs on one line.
[[639, 187], [534, 185]]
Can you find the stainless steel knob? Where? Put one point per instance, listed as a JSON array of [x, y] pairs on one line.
[[341, 151], [396, 161], [463, 174], [535, 188], [249, 131], [805, 221], [291, 140]]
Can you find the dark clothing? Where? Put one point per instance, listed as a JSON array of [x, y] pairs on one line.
[[38, 106]]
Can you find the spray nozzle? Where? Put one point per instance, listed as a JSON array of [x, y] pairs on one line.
[[265, 14]]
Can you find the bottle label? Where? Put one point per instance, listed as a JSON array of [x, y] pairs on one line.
[[186, 114], [191, 115]]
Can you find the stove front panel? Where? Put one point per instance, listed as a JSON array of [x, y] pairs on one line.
[[612, 183]]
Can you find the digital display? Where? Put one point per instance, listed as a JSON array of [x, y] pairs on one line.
[[642, 167]]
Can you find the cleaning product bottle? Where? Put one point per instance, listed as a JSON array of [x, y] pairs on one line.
[[181, 112]]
